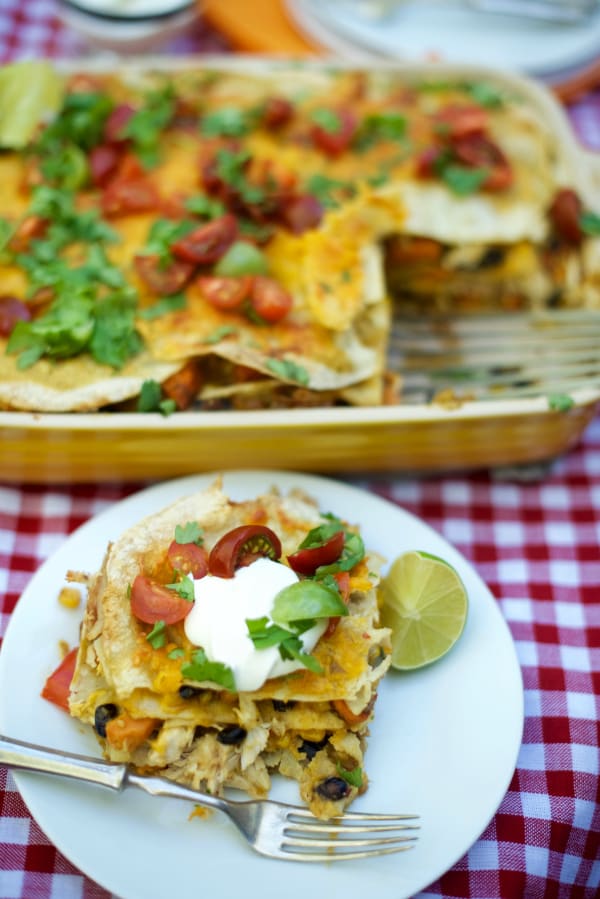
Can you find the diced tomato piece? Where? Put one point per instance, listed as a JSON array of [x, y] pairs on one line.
[[163, 280], [269, 300], [189, 558], [103, 161], [242, 546], [125, 196], [300, 213], [565, 215], [426, 161], [12, 310], [459, 120], [277, 112], [127, 733], [183, 386], [306, 561], [225, 293], [152, 602], [478, 151], [116, 121], [58, 685], [335, 140], [30, 228], [207, 244]]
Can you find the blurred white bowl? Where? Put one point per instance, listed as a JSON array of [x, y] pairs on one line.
[[128, 25]]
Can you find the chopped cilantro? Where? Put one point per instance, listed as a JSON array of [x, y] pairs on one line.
[[462, 180], [147, 124], [191, 532], [378, 127], [80, 122], [228, 121], [288, 370], [231, 168], [151, 399], [201, 669], [163, 233], [157, 636], [183, 588], [164, 306], [67, 167], [327, 119], [353, 777], [560, 402], [205, 207], [219, 333], [265, 635], [114, 338], [177, 653], [485, 93], [329, 191], [589, 223]]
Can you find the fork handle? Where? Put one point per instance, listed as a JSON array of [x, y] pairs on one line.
[[29, 757]]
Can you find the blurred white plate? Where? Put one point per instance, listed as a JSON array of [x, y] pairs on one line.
[[450, 32], [444, 742]]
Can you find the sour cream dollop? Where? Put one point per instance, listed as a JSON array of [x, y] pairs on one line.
[[217, 621]]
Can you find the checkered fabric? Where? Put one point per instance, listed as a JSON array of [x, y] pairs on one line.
[[534, 542]]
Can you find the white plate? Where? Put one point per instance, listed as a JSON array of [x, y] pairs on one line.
[[444, 742], [450, 32]]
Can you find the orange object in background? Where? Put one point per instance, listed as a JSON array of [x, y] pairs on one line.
[[267, 30]]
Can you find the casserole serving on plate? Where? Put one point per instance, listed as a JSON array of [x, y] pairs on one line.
[[202, 266]]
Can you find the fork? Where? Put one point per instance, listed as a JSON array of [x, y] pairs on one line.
[[491, 356], [274, 829]]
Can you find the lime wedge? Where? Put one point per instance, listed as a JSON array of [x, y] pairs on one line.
[[425, 604], [30, 93]]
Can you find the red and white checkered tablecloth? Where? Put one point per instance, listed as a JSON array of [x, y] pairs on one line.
[[535, 543]]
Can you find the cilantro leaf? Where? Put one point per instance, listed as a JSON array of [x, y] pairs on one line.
[[288, 370], [560, 402], [184, 588], [176, 653], [327, 119], [228, 121], [164, 306], [163, 233], [353, 777], [329, 191], [151, 399], [157, 636], [114, 339], [80, 122], [205, 207], [201, 669], [191, 532], [589, 222], [462, 180], [147, 124], [264, 635], [219, 333]]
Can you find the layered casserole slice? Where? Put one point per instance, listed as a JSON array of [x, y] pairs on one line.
[[227, 641]]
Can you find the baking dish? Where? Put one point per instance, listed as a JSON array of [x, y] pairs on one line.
[[54, 448]]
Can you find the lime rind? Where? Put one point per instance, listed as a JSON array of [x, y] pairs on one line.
[[31, 91], [424, 602]]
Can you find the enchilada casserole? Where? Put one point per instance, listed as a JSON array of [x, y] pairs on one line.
[[218, 239], [225, 641]]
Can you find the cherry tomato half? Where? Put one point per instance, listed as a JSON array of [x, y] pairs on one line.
[[300, 213], [189, 558], [58, 685], [12, 310], [207, 244], [163, 280], [242, 546], [225, 292], [269, 300], [334, 141], [103, 161], [307, 560], [151, 602], [277, 112]]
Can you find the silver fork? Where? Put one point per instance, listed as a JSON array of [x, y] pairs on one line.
[[274, 829], [495, 356]]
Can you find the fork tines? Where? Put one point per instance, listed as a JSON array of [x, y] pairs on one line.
[[356, 835], [496, 356]]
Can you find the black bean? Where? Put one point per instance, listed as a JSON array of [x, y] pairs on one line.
[[102, 715], [311, 747], [281, 706], [232, 735], [187, 692], [334, 788]]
